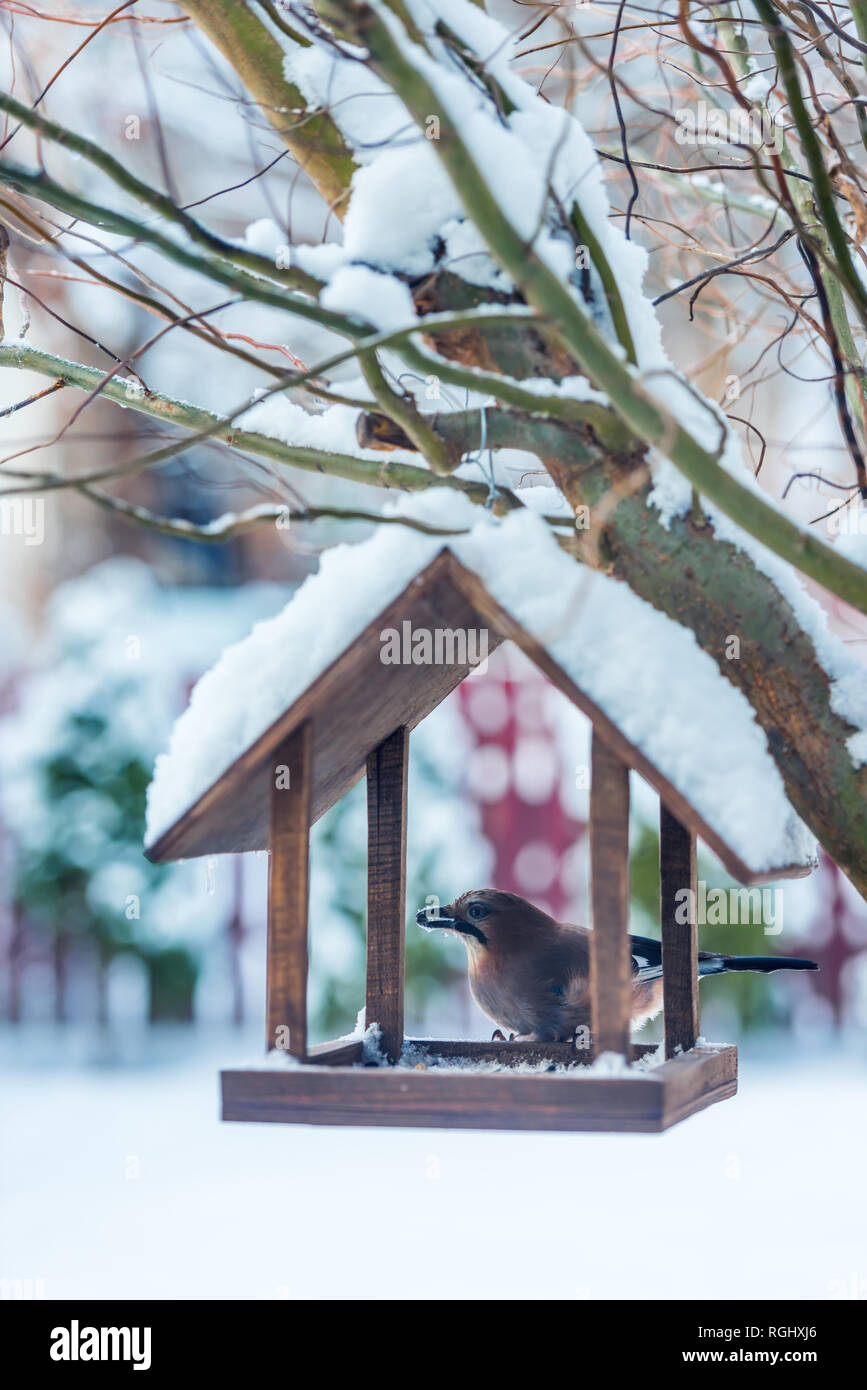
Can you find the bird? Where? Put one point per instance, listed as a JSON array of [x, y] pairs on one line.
[[531, 974]]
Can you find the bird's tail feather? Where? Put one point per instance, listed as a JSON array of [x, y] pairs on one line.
[[718, 965]]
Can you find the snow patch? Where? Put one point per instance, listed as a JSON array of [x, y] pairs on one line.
[[379, 299]]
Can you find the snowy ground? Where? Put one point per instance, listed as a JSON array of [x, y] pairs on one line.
[[118, 1181]]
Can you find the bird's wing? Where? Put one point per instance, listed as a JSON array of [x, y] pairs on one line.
[[646, 951], [563, 969], [646, 957], [560, 998]]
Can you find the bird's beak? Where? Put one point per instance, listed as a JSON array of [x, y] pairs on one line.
[[431, 917]]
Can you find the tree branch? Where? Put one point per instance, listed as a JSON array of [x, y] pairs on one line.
[[256, 56], [231, 524], [402, 477], [651, 421], [37, 184], [160, 202]]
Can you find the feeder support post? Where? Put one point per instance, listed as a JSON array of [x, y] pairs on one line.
[[677, 873], [610, 955], [288, 893], [386, 888]]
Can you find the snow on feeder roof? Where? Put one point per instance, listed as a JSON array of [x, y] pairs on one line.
[[651, 692]]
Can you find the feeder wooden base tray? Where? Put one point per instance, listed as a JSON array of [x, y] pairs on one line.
[[328, 1090]]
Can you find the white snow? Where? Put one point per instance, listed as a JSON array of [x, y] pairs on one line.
[[852, 542], [263, 236], [332, 431], [380, 299], [365, 110], [646, 672], [416, 1057], [761, 1196], [402, 200]]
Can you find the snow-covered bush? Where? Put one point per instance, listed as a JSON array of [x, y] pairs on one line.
[[109, 675]]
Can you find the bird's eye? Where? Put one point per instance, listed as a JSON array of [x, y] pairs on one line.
[[476, 910]]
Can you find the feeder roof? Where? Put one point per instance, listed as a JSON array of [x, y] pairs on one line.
[[651, 692]]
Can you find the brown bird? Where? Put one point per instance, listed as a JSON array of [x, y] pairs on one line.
[[530, 974]]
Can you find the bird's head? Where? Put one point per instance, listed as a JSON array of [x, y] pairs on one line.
[[485, 919]]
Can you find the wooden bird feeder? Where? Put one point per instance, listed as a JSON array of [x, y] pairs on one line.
[[355, 719]]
